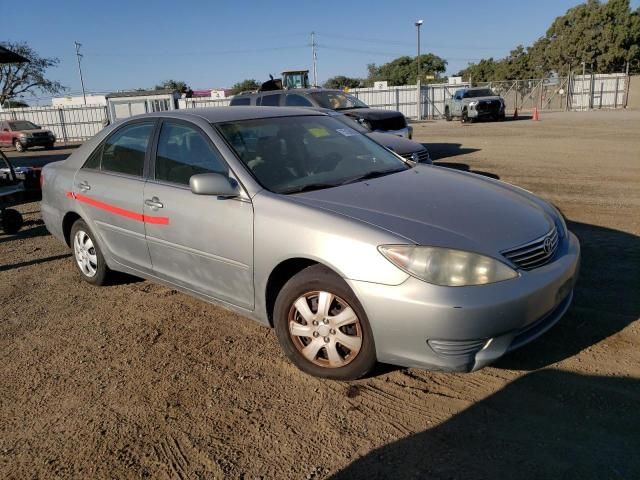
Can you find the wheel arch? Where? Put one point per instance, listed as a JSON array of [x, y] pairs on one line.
[[67, 222], [281, 274]]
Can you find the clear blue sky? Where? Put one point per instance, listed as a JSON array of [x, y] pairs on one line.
[[129, 44]]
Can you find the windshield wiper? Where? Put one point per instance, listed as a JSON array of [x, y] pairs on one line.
[[373, 174], [307, 188]]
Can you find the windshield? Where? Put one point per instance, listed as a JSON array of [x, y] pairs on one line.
[[483, 92], [22, 125], [293, 154], [337, 100]]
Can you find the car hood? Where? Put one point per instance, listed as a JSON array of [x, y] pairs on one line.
[[370, 113], [400, 145], [439, 207], [39, 130]]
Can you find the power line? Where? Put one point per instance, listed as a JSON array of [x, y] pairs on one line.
[[194, 53], [384, 54]]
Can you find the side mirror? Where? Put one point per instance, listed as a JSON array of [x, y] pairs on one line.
[[217, 184]]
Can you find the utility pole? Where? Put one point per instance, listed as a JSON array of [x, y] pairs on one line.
[[418, 86], [582, 107], [79, 56], [315, 59]]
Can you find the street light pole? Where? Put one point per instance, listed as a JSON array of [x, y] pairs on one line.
[[315, 59], [418, 86], [79, 56]]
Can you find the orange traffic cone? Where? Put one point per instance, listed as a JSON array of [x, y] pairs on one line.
[[535, 114], [515, 114]]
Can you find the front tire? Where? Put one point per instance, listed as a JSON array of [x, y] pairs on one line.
[[11, 221], [19, 146], [322, 327], [87, 255]]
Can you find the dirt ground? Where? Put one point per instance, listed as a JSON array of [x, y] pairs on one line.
[[137, 380]]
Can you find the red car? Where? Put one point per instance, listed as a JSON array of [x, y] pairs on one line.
[[23, 134]]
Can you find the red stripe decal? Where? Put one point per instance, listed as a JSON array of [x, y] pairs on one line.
[[119, 211]]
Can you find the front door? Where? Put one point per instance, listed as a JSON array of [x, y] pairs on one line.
[[207, 244], [108, 191]]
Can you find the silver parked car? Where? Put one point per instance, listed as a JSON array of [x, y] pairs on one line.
[[292, 218]]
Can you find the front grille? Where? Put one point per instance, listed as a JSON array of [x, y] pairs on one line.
[[40, 134], [534, 254], [392, 123], [488, 106], [422, 156]]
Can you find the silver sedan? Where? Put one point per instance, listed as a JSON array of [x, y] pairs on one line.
[[293, 219]]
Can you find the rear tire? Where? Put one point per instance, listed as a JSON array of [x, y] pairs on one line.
[[11, 221], [19, 146], [337, 345], [87, 255], [447, 114]]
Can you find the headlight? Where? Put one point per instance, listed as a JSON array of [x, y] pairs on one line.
[[561, 225], [473, 104], [447, 267], [23, 135], [364, 123]]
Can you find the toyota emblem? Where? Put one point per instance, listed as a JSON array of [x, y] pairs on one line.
[[547, 245]]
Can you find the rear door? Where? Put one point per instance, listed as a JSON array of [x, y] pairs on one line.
[[108, 191], [207, 244]]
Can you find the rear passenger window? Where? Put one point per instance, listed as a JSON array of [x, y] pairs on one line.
[[182, 152], [124, 151], [295, 100], [240, 101], [271, 100]]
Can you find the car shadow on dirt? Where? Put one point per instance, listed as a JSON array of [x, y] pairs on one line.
[[37, 229], [606, 300], [35, 261], [440, 151], [546, 424]]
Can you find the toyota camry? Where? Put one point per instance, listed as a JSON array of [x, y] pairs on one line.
[[294, 219]]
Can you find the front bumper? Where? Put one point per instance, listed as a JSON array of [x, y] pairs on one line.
[[416, 324], [36, 141], [406, 132]]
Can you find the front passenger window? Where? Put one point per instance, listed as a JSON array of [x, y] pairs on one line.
[[183, 151]]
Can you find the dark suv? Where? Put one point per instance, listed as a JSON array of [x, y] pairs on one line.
[[376, 120], [23, 134]]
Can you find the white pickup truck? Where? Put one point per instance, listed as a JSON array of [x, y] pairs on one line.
[[470, 104]]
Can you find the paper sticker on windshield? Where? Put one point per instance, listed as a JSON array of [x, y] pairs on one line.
[[347, 132], [319, 132]]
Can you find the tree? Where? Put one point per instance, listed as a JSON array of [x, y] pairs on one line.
[[20, 78], [175, 85], [404, 70], [245, 85], [15, 104], [605, 36], [341, 82]]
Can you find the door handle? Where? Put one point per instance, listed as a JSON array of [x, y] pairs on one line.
[[154, 203], [84, 186]]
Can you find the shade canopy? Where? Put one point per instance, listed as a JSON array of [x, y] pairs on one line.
[[7, 56]]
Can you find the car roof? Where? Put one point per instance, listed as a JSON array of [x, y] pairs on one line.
[[233, 114]]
